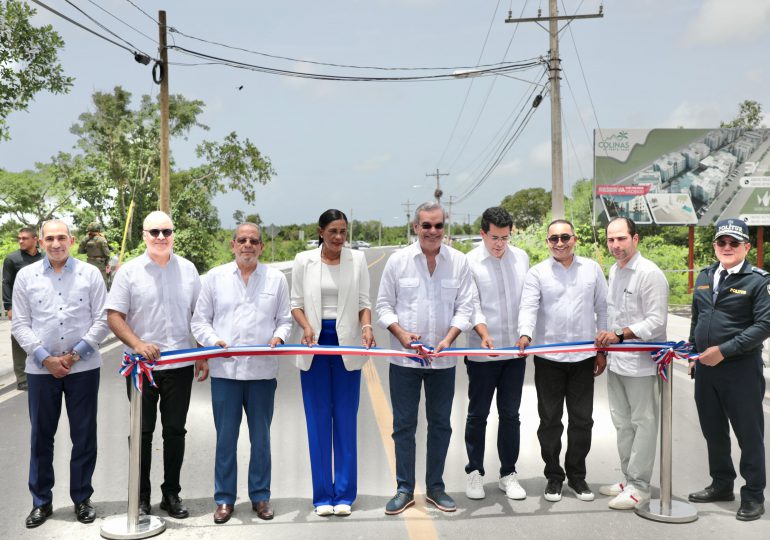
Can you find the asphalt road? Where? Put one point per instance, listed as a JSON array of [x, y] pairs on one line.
[[291, 487]]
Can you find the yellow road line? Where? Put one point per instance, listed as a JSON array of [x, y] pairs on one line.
[[419, 524]]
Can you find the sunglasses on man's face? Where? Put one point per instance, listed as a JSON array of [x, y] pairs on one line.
[[732, 243], [252, 241], [157, 232], [428, 226], [554, 239]]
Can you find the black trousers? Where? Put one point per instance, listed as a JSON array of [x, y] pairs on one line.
[[173, 394], [557, 383], [506, 377], [731, 393]]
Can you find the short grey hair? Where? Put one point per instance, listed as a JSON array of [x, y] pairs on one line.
[[427, 207], [51, 221], [239, 226]]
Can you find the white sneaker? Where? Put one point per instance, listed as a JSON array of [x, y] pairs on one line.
[[474, 486], [613, 490], [324, 510], [628, 498], [513, 490], [342, 510]]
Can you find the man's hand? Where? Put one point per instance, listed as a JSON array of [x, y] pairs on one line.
[[149, 350], [523, 343], [599, 364], [58, 366], [606, 338], [222, 344], [308, 336], [711, 356], [275, 341], [406, 338], [202, 369], [487, 342], [443, 344], [9, 314], [367, 338]]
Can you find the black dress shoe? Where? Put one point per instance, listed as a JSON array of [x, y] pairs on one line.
[[85, 511], [712, 494], [38, 515], [174, 506], [144, 507], [749, 511]]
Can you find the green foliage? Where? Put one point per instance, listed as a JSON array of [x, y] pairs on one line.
[[28, 61], [527, 206], [34, 196], [749, 116]]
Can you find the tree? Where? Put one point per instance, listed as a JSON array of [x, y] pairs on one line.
[[32, 197], [28, 61], [749, 116], [527, 206]]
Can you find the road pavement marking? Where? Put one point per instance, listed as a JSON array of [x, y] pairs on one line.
[[419, 524]]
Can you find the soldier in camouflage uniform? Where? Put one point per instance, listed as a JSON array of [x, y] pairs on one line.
[[95, 246]]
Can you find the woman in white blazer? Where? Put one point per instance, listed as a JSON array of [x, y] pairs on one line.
[[330, 303]]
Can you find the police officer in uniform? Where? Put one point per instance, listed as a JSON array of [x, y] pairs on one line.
[[730, 320], [95, 246]]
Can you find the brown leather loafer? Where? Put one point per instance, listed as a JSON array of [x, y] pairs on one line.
[[222, 513], [263, 509]]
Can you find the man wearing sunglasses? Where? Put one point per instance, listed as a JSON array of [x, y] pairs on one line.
[[730, 320], [426, 295], [637, 309], [498, 270], [243, 303], [564, 300], [149, 309]]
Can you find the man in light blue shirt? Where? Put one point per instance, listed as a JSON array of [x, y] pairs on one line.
[[58, 319]]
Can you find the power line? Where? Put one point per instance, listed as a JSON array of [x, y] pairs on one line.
[[103, 27], [505, 68], [97, 34], [153, 19], [122, 21]]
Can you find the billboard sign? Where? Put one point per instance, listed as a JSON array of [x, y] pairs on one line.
[[681, 176]]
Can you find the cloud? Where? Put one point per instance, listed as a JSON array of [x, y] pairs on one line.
[[372, 164], [541, 154], [317, 88], [736, 21], [694, 115], [509, 168]]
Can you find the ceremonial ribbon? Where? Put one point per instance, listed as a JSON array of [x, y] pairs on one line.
[[133, 364]]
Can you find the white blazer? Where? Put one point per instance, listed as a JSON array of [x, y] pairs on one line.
[[352, 297]]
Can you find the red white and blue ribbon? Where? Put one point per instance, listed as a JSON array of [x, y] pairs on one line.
[[662, 353]]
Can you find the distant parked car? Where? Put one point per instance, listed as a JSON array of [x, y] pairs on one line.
[[476, 240], [311, 244], [359, 244]]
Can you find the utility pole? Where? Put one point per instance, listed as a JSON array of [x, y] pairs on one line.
[[165, 184], [438, 193], [449, 232], [554, 67], [408, 206]]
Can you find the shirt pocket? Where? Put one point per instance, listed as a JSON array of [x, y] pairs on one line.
[[449, 288], [408, 288]]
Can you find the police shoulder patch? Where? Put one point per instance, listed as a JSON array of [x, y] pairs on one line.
[[763, 273]]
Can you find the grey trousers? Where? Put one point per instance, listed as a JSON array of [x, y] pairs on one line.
[[635, 410]]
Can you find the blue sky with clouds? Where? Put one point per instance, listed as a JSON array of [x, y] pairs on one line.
[[365, 146]]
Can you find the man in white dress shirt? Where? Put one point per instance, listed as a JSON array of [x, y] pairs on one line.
[[243, 303], [498, 270], [58, 320], [637, 309], [564, 300], [426, 294], [149, 308]]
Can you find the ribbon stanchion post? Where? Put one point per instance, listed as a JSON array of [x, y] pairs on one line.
[[131, 525], [666, 509]]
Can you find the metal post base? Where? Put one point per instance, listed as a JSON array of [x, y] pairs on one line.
[[681, 512], [117, 527]]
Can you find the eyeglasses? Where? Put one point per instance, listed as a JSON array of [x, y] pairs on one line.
[[252, 241], [732, 243], [554, 239], [496, 239], [157, 232], [428, 226]]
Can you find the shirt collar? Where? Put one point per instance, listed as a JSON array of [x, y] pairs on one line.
[[68, 266], [443, 251], [485, 253], [633, 261]]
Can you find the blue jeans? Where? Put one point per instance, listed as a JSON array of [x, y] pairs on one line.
[[81, 392], [330, 394], [229, 398], [405, 389], [506, 377]]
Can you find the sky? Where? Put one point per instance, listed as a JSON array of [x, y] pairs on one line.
[[366, 147]]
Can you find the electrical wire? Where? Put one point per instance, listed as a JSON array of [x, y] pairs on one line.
[[97, 34], [505, 68], [153, 19], [577, 107], [103, 27], [155, 41]]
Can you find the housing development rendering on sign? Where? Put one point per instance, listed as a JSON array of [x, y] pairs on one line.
[[682, 176]]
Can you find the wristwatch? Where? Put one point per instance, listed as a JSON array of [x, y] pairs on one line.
[[619, 333]]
